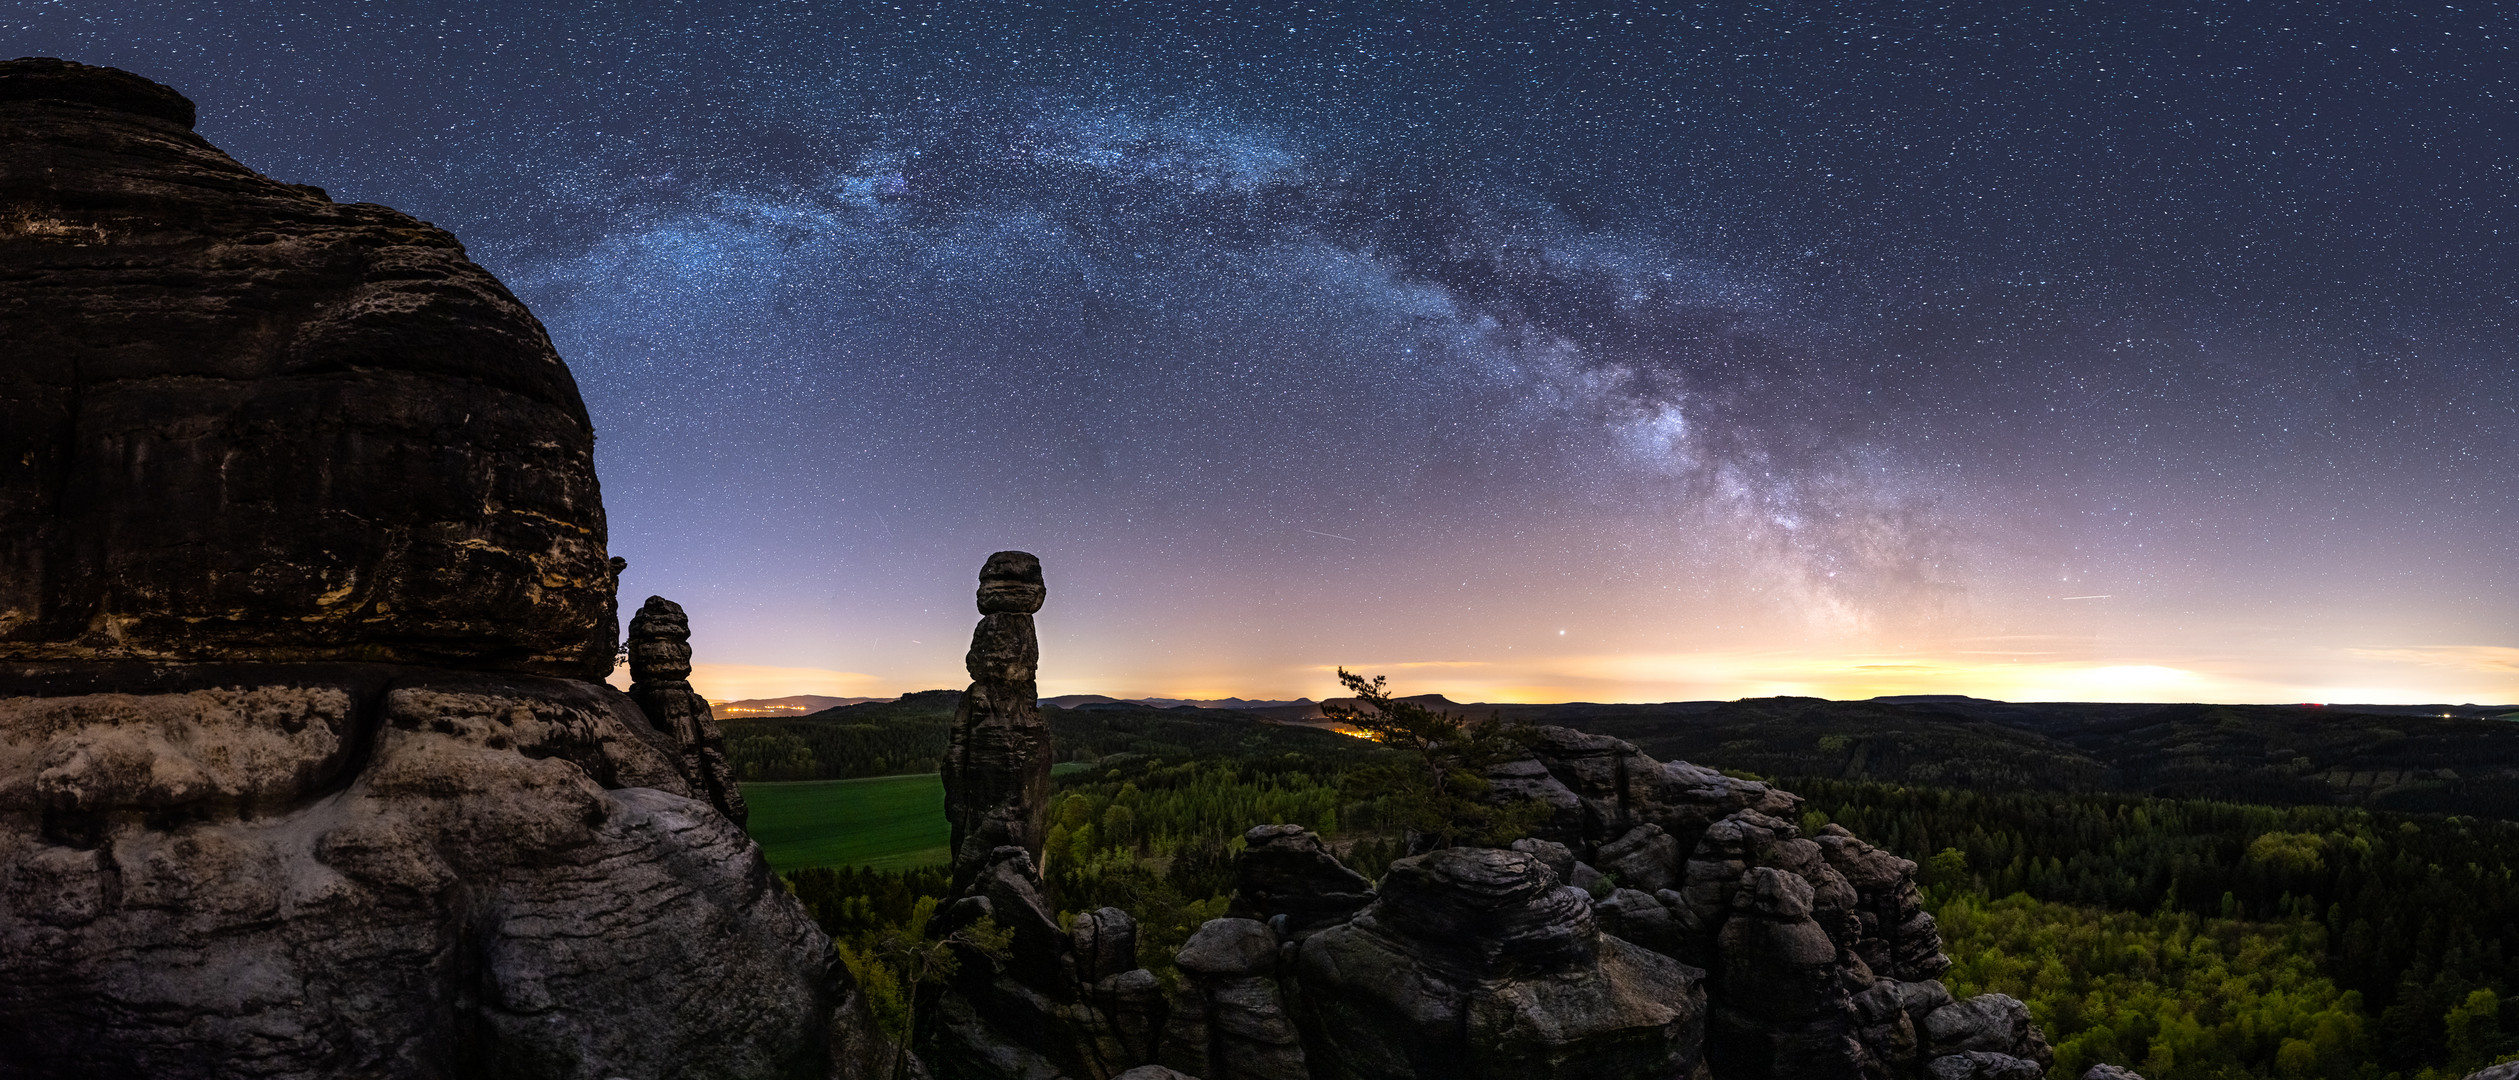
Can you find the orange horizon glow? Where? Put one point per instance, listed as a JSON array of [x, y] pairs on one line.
[[2390, 676]]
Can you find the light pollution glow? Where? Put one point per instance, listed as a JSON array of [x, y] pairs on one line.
[[2394, 676], [1618, 353]]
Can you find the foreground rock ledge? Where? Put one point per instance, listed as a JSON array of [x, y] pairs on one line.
[[329, 870]]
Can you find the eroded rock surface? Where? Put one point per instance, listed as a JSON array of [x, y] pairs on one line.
[[1286, 872], [1821, 958], [1598, 789], [302, 590], [240, 421], [660, 673], [1229, 1021], [997, 767], [1053, 1005], [1477, 962], [410, 872]]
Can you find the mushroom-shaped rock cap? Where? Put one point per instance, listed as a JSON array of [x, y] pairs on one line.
[[240, 422], [1486, 909], [1011, 582], [1229, 947], [660, 641], [42, 78]]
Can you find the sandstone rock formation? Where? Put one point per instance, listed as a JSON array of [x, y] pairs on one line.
[[1287, 877], [1598, 789], [1819, 954], [1060, 1003], [1477, 962], [294, 500], [1229, 1022], [660, 673], [240, 421], [1048, 1007], [997, 768]]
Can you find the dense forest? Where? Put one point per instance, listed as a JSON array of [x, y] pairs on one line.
[[2185, 937], [2274, 754], [887, 738], [2412, 914]]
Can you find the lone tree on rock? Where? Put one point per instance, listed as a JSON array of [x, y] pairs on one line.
[[1437, 788]]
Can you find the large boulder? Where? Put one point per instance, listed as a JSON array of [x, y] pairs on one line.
[[240, 421], [1782, 1009], [1285, 871], [1229, 1021], [1477, 962], [1987, 1023]]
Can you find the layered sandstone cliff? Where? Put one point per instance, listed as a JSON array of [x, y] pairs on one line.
[[303, 588]]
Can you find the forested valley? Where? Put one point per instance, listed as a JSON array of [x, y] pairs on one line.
[[2185, 937]]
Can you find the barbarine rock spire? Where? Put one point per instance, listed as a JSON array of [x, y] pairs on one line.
[[997, 771], [660, 673]]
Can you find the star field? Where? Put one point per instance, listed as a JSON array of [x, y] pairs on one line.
[[1603, 351]]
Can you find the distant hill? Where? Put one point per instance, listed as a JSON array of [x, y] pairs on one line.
[[883, 738], [796, 705], [2408, 758], [2383, 757], [1070, 701]]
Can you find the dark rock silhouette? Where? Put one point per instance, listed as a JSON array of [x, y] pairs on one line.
[[1053, 1005], [1229, 1021], [1820, 957], [240, 421], [997, 768], [302, 590], [1477, 962], [660, 672], [1598, 788], [1286, 872]]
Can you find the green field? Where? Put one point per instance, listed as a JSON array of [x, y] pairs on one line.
[[887, 822]]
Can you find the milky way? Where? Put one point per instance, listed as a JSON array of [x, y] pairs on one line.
[[1606, 351]]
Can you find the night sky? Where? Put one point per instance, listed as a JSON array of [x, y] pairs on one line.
[[1586, 352]]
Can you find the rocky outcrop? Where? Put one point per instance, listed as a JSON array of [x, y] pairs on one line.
[[1893, 934], [303, 588], [1047, 1006], [1286, 877], [1058, 1003], [997, 768], [1598, 789], [2118, 1072], [1477, 962], [240, 421], [1229, 1021], [660, 674], [380, 870], [1820, 957]]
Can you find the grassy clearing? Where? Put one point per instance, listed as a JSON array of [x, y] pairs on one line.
[[882, 822], [885, 822]]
